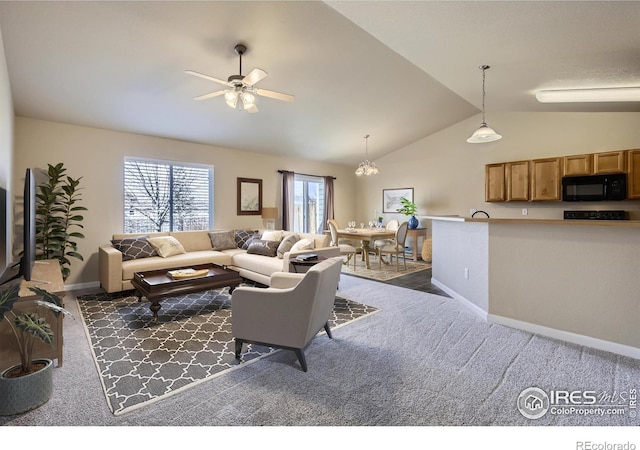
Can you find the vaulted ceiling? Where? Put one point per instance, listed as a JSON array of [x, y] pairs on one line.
[[396, 70]]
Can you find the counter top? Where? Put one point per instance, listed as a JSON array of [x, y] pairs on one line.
[[601, 223]]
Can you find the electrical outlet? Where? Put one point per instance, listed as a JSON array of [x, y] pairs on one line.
[[471, 211], [525, 211], [466, 273]]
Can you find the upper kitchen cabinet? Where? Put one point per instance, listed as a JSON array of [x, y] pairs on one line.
[[545, 179], [609, 162], [517, 181], [494, 185], [633, 174], [577, 165]]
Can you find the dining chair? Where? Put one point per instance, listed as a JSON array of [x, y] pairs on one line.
[[345, 249], [392, 225], [396, 248]]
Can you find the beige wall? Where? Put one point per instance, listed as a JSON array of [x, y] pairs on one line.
[[97, 155], [447, 173]]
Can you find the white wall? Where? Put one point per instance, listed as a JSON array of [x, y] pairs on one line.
[[447, 173], [97, 155], [6, 153]]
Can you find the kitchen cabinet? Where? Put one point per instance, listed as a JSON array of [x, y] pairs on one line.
[[494, 188], [609, 162], [517, 181], [633, 174], [577, 165], [545, 179]]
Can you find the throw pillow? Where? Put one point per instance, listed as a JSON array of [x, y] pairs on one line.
[[134, 248], [302, 244], [222, 240], [255, 237], [272, 235], [286, 245], [242, 236], [167, 246], [262, 247]]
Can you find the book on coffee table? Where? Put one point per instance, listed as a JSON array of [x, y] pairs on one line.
[[187, 273]]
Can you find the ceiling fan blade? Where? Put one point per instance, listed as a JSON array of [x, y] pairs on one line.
[[276, 95], [206, 77], [210, 95], [254, 76], [252, 109]]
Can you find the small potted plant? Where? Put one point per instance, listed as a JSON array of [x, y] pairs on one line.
[[27, 385], [409, 209]]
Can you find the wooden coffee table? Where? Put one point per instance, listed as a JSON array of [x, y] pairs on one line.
[[156, 285]]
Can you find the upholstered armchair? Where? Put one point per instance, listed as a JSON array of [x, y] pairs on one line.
[[288, 314]]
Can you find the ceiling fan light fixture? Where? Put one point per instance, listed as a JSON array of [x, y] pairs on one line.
[[628, 94], [367, 167], [484, 133], [248, 99], [231, 97]]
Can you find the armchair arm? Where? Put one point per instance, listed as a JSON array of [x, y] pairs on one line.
[[110, 268], [284, 280]]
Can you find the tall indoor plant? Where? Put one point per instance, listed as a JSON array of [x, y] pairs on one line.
[[409, 209], [27, 385], [57, 216]]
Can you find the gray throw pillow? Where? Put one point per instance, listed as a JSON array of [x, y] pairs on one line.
[[286, 245], [262, 247], [222, 240], [134, 248]]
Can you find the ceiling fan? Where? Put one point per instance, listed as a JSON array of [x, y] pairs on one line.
[[241, 92]]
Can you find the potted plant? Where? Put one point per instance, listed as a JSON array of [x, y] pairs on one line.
[[27, 385], [409, 209], [57, 213]]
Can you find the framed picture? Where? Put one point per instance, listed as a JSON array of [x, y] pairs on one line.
[[249, 197], [391, 199]]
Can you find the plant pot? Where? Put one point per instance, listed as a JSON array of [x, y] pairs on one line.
[[413, 222], [25, 393]]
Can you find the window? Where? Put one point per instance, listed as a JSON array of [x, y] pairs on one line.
[[167, 196], [309, 204]]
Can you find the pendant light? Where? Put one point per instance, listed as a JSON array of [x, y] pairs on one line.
[[484, 133], [366, 167]]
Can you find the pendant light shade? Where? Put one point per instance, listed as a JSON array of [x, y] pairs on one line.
[[484, 133], [366, 167]]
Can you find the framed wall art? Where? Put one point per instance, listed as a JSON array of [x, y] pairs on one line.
[[391, 199], [249, 197]]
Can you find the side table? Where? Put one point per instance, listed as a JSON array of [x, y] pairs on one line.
[[302, 265], [416, 233]]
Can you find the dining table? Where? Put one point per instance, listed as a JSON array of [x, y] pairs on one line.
[[366, 236]]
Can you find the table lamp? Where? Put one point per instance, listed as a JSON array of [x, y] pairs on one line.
[[270, 214]]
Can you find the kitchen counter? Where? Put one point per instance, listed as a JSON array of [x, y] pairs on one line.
[[599, 223], [574, 280]]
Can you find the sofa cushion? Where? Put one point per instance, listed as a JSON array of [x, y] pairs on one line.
[[167, 246], [303, 244], [134, 248], [286, 244], [222, 240], [263, 247], [242, 237], [193, 240], [272, 235], [263, 265]]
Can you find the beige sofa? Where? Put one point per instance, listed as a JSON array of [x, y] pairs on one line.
[[116, 274]]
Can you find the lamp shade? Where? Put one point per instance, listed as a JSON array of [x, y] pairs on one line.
[[483, 134], [269, 213]]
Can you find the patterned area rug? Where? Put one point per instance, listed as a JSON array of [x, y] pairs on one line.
[[141, 362], [387, 272]]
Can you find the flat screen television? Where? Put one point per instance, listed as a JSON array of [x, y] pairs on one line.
[[29, 228]]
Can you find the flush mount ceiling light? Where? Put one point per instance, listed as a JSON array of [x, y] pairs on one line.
[[629, 94], [366, 167], [484, 133]]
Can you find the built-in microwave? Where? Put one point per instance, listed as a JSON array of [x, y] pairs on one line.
[[595, 188]]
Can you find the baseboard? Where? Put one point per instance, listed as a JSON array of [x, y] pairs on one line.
[[567, 336], [580, 339], [468, 303]]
